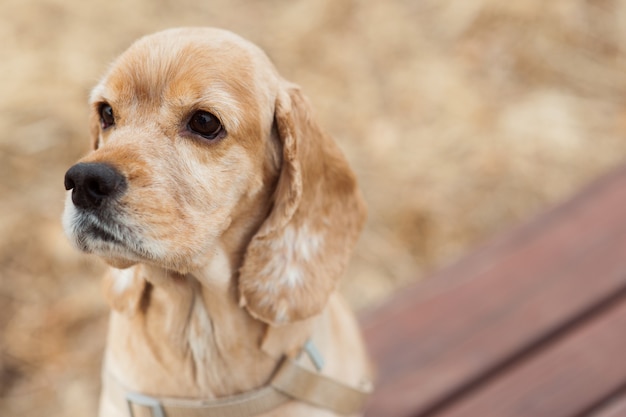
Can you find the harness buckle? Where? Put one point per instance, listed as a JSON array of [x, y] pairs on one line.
[[314, 355], [145, 401]]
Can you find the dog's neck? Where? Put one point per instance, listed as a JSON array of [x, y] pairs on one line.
[[182, 338], [187, 336]]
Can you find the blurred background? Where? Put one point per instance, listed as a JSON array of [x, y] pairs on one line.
[[461, 118]]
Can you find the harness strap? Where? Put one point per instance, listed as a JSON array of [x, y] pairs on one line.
[[317, 389], [243, 405], [290, 382]]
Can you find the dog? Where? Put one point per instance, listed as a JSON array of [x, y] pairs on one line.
[[227, 216]]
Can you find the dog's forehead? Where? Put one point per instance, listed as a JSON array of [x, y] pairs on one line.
[[191, 64]]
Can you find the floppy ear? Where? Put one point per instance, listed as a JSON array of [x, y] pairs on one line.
[[293, 263]]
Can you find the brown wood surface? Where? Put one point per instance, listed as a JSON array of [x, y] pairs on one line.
[[613, 407], [440, 342], [566, 378]]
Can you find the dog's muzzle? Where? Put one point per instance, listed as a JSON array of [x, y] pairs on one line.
[[93, 184]]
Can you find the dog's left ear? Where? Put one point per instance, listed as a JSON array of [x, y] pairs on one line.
[[293, 263]]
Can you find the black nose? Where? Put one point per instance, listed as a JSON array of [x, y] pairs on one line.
[[93, 183]]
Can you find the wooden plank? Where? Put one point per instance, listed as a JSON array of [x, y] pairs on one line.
[[613, 407], [507, 332], [569, 376], [459, 326]]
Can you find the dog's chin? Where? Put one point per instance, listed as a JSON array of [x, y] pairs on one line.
[[96, 242], [120, 245], [113, 251], [122, 254]]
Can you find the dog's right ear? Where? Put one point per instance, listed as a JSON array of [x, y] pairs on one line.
[[126, 290]]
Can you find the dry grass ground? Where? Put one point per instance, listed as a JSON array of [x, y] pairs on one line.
[[460, 117]]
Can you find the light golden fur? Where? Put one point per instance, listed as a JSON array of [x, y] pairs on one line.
[[227, 253]]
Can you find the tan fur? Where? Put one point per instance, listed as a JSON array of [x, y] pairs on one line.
[[222, 241]]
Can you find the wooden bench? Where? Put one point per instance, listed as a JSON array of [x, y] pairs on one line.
[[531, 325]]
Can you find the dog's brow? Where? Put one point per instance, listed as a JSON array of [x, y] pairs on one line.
[[97, 93], [225, 104]]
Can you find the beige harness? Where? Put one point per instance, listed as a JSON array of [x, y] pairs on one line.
[[291, 381]]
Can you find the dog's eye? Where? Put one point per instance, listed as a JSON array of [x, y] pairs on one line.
[[107, 118], [205, 124]]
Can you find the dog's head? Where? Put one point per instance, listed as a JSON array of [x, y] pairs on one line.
[[195, 135]]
